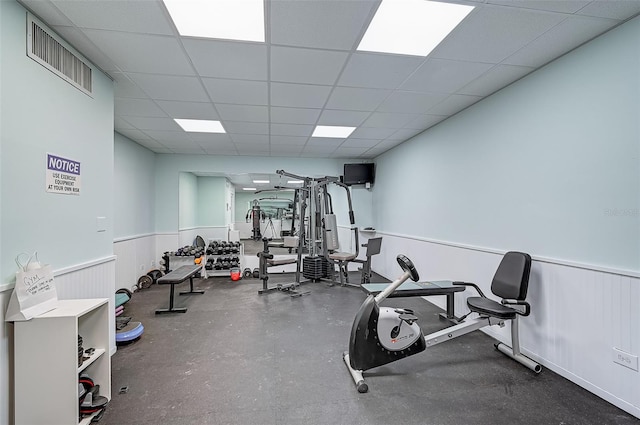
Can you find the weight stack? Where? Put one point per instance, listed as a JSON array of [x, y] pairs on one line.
[[314, 267]]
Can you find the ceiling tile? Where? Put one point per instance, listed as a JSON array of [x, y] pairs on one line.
[[454, 104], [137, 107], [243, 112], [306, 23], [325, 142], [410, 102], [563, 6], [444, 76], [291, 64], [566, 36], [228, 59], [241, 127], [499, 77], [378, 70], [359, 143], [614, 9], [121, 124], [404, 134], [491, 33], [133, 134], [181, 144], [286, 149], [237, 91], [260, 139], [212, 150], [294, 115], [348, 152], [344, 118], [372, 133], [388, 120], [152, 145], [149, 123], [291, 130], [356, 99], [129, 16], [124, 87], [299, 95], [424, 121], [288, 140], [138, 56], [252, 149], [191, 110], [169, 87], [210, 138], [168, 136], [318, 149]]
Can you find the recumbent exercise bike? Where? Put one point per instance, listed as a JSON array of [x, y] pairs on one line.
[[381, 335]]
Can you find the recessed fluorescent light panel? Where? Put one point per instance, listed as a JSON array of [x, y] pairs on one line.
[[332, 131], [200, 126], [261, 181], [295, 182], [411, 27], [227, 19], [248, 188]]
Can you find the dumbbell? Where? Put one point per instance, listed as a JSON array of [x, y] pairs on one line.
[[246, 273], [256, 273]]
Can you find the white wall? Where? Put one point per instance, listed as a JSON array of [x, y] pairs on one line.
[[549, 165]]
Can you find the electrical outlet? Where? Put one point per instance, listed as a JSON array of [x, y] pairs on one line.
[[625, 359]]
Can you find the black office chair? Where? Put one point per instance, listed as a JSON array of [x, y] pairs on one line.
[[510, 283]]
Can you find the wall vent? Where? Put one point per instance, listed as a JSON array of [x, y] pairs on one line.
[[49, 50]]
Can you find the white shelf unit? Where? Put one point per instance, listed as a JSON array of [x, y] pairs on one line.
[[46, 361]]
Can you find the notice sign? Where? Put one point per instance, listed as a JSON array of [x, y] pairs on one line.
[[63, 175]]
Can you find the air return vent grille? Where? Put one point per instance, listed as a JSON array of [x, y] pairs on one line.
[[46, 48]]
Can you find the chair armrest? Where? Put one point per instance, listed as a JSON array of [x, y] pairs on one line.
[[473, 285], [527, 307]]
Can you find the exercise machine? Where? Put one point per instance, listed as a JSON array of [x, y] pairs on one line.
[[381, 335], [266, 260]]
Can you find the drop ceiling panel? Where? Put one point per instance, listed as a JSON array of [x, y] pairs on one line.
[[124, 87], [134, 134], [129, 16], [299, 95], [228, 59], [359, 143], [348, 152], [220, 152], [372, 133], [237, 91], [444, 76], [283, 149], [422, 122], [140, 54], [190, 110], [563, 6], [210, 138], [252, 149], [148, 123], [258, 139], [291, 130], [288, 140], [243, 112], [453, 104], [137, 107], [564, 37], [321, 24], [378, 70], [169, 87], [343, 118], [410, 102], [490, 34], [388, 120], [614, 9], [298, 65], [294, 115], [356, 99], [499, 77], [404, 134], [168, 136], [241, 127], [324, 142]]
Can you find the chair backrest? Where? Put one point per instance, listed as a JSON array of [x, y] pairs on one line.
[[373, 246], [511, 280]]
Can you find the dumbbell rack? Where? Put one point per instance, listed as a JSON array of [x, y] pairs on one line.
[[223, 272]]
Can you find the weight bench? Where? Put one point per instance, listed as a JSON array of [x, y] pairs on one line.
[[421, 289], [176, 277]]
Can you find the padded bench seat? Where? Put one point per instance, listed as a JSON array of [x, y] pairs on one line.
[[176, 277]]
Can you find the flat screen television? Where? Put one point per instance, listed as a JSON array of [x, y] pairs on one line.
[[358, 173]]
